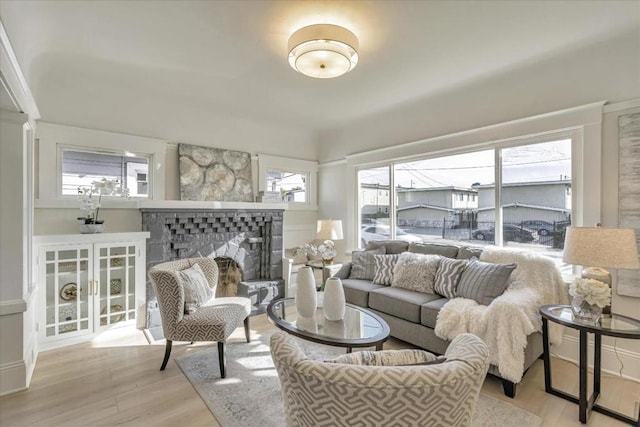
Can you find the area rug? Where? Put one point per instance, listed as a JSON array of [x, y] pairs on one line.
[[250, 395]]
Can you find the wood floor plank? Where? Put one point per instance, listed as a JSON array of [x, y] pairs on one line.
[[116, 381]]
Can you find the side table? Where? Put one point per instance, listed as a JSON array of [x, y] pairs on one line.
[[614, 325], [328, 270]]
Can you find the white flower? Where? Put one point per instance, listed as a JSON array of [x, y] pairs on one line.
[[593, 291], [92, 196]]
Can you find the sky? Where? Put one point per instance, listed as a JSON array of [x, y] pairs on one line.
[[546, 161]]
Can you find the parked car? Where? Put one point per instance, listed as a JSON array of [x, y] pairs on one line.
[[382, 232], [543, 228], [510, 233]]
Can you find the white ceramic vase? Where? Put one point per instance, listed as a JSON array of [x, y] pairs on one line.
[[306, 298], [334, 302]]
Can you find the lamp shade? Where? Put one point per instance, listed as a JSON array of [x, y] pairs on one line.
[[323, 51], [601, 247], [329, 229]]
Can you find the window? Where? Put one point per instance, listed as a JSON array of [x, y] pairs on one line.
[[453, 197], [291, 186], [82, 168], [373, 204], [292, 181], [431, 200]]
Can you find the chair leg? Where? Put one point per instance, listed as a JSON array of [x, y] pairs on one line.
[[247, 333], [167, 352], [222, 360]]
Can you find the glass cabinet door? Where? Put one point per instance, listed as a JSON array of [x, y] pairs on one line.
[[116, 267], [68, 289]]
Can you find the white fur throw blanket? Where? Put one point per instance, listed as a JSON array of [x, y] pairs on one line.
[[505, 323]]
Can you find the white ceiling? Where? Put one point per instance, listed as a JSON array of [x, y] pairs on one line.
[[137, 60]]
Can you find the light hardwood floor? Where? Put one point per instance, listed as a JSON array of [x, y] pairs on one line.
[[115, 380]]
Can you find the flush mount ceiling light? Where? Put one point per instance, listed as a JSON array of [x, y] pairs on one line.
[[323, 51]]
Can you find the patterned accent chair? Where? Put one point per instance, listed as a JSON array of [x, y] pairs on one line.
[[317, 393], [214, 321]]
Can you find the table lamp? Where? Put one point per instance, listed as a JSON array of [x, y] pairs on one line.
[[598, 248], [329, 229]]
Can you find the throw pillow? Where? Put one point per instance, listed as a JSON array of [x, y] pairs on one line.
[[416, 272], [448, 276], [363, 265], [484, 281], [383, 274], [405, 357], [196, 288]]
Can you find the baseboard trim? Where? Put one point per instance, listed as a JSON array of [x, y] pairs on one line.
[[12, 377], [611, 364]]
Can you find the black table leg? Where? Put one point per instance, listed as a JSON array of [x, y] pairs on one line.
[[583, 378], [546, 356], [597, 357]]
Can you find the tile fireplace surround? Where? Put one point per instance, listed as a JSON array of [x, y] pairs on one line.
[[251, 237]]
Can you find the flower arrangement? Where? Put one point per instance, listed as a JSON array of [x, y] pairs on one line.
[[594, 292], [326, 250], [91, 198]]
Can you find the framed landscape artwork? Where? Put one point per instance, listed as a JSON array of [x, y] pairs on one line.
[[629, 193]]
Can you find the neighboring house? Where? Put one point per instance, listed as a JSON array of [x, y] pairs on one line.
[[544, 200], [435, 207], [374, 200]]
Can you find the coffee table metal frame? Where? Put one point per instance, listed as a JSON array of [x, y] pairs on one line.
[[377, 340], [586, 404]]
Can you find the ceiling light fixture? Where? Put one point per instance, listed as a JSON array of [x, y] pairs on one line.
[[323, 51]]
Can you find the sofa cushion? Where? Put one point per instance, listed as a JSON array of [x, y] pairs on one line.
[[484, 281], [450, 251], [448, 276], [403, 303], [385, 264], [356, 291], [468, 252], [391, 246], [196, 288], [416, 272], [363, 265], [429, 312]]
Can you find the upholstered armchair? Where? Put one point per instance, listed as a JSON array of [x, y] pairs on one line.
[[347, 393], [215, 320]]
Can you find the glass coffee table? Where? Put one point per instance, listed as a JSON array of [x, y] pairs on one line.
[[359, 328]]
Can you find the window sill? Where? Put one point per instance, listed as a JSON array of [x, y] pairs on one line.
[[166, 204]]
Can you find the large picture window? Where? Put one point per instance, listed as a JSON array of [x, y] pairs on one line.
[[453, 197]]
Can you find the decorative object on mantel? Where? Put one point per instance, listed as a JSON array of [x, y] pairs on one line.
[[91, 199], [306, 298], [628, 282], [214, 174], [334, 300], [597, 247]]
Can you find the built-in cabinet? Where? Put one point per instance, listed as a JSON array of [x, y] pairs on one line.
[[88, 283]]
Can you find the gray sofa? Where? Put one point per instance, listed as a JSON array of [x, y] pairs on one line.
[[412, 315]]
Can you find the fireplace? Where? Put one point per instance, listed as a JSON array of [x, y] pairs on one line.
[[245, 242]]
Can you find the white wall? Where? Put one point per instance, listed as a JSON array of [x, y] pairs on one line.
[[605, 71], [17, 296]]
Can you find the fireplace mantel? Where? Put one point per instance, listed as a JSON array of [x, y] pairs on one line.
[[187, 204]]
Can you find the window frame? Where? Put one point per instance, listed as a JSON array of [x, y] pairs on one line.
[[268, 163], [577, 176], [53, 138], [60, 160]]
